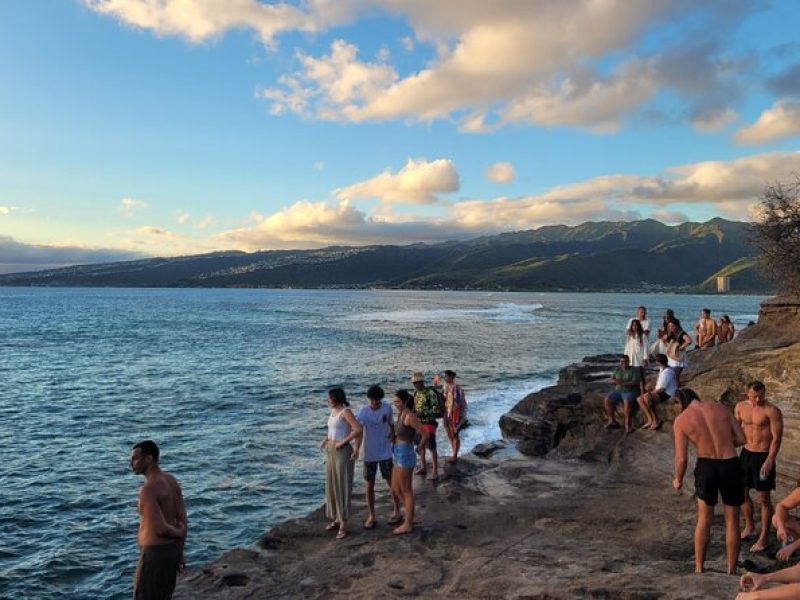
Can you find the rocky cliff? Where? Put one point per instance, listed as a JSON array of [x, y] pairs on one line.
[[578, 513]]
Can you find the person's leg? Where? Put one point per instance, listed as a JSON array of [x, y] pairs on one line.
[[747, 514], [370, 493], [457, 441], [434, 464], [609, 407], [627, 406], [766, 518], [406, 485], [644, 404], [732, 539], [421, 467], [702, 533], [450, 438]]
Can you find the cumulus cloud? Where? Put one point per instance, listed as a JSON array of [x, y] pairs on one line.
[[18, 257], [501, 172], [776, 123], [201, 20], [728, 188], [127, 206], [418, 182]]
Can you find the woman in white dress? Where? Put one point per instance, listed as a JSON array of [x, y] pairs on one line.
[[636, 344]]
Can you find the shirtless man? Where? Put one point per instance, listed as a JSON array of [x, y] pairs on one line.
[[762, 423], [706, 329], [162, 526], [710, 426]]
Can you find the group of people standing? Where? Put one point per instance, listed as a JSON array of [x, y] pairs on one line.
[[395, 445]]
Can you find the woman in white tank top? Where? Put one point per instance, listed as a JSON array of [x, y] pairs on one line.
[[340, 463]]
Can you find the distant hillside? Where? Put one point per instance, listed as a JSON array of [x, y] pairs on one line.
[[597, 256]]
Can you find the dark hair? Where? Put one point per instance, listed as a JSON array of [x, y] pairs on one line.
[[407, 399], [638, 332], [375, 392], [662, 359], [624, 357], [757, 386], [685, 396], [338, 397], [707, 311], [148, 448], [642, 308], [450, 373]]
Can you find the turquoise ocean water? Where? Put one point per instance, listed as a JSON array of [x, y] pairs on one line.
[[231, 384]]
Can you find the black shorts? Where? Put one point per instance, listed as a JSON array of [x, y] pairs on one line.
[[719, 475], [751, 465], [663, 396], [371, 469]]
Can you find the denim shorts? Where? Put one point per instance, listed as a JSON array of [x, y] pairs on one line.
[[404, 455], [619, 395]]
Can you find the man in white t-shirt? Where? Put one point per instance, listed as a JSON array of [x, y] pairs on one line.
[[377, 436], [666, 386], [641, 316]]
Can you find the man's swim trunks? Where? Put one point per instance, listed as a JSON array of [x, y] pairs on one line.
[[371, 469], [719, 475], [751, 464], [156, 572]]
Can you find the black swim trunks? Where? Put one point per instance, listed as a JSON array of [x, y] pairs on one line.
[[719, 475], [157, 571], [751, 464], [371, 469]]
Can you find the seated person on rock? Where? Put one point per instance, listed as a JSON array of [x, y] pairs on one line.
[[752, 584], [627, 387], [664, 388], [786, 526]]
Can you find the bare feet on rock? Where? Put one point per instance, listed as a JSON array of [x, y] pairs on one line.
[[747, 532], [403, 529], [759, 546]]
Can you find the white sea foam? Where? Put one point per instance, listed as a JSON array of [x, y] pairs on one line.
[[506, 311]]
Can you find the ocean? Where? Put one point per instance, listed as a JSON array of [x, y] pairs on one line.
[[231, 384]]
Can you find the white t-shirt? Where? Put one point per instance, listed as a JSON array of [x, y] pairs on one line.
[[666, 381]]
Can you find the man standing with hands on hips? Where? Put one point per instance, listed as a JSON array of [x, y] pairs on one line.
[[762, 423]]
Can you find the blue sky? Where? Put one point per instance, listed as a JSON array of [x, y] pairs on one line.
[[164, 127]]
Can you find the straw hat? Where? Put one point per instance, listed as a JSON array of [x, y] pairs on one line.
[[417, 376]]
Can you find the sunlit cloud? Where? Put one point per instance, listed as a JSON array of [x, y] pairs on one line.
[[501, 172], [671, 217], [205, 222], [182, 218], [128, 206], [7, 210], [776, 123], [418, 182]]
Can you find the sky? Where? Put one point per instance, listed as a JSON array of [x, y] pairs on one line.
[[133, 128]]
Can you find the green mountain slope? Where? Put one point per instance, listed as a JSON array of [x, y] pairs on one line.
[[591, 256]]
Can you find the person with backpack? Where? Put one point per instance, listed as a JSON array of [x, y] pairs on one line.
[[428, 407]]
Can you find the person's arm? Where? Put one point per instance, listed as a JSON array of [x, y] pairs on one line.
[[355, 430], [782, 509], [180, 510], [154, 517], [687, 341], [412, 420], [776, 431], [360, 437], [681, 455], [750, 582], [739, 438]]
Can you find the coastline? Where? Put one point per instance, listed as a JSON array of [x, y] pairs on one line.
[[568, 511]]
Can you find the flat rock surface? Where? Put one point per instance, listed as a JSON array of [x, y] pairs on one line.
[[508, 526]]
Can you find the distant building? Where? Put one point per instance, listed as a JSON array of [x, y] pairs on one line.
[[723, 285]]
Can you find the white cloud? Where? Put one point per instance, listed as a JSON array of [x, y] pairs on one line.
[[205, 222], [127, 206], [776, 123], [319, 165], [7, 210], [407, 43], [182, 218], [418, 182], [200, 20], [501, 172], [157, 232], [729, 188]]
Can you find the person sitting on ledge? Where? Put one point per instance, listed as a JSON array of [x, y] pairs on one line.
[[786, 526], [627, 382], [665, 387], [750, 585]]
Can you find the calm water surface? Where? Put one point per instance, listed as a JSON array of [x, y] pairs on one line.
[[231, 384]]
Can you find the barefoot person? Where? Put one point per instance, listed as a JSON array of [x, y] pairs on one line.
[[455, 412], [627, 387], [426, 405], [376, 419], [677, 343], [340, 461], [710, 426], [665, 388], [762, 423], [751, 585], [162, 526], [406, 429]]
